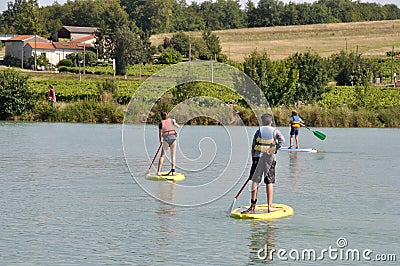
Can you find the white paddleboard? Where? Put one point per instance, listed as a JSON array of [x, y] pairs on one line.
[[298, 150]]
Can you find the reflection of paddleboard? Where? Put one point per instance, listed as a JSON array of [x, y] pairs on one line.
[[298, 150], [163, 176], [262, 212]]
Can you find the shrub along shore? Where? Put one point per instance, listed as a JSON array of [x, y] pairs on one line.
[[95, 99]]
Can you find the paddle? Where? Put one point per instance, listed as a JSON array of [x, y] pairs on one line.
[[154, 157], [237, 195], [316, 133]]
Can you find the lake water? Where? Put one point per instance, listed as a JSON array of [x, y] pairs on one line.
[[75, 194]]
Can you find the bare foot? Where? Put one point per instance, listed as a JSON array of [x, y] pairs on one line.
[[272, 210]]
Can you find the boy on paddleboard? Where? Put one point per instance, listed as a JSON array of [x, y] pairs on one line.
[[295, 123], [266, 142]]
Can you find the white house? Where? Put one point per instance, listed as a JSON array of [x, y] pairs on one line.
[[14, 46], [25, 46]]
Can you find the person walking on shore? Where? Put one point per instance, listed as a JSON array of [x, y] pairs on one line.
[[51, 96]]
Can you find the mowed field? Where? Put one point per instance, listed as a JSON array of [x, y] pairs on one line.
[[372, 38]]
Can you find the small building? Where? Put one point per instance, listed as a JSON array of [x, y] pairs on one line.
[[24, 46], [45, 48], [14, 46], [71, 33], [62, 49]]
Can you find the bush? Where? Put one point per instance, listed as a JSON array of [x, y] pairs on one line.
[[65, 62], [170, 56], [15, 94]]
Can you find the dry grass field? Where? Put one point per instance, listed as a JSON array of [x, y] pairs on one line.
[[373, 38]]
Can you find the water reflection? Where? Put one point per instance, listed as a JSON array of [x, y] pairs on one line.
[[294, 167], [165, 212], [261, 241]]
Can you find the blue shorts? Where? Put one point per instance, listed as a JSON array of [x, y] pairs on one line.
[[294, 131]]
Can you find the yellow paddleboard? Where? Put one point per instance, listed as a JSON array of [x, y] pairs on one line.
[[262, 213], [163, 176]]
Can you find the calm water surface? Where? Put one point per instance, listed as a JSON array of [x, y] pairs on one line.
[[67, 197]]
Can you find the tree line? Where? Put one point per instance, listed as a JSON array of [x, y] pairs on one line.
[[162, 16]]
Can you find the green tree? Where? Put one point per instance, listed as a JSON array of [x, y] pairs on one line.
[[275, 79], [151, 16], [348, 69], [119, 39], [269, 12], [15, 94], [186, 18], [212, 42], [22, 17], [127, 49], [200, 49], [313, 76], [181, 42]]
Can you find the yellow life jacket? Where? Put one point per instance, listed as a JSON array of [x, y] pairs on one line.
[[265, 142], [295, 122]]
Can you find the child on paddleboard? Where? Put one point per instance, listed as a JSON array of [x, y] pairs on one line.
[[295, 123], [266, 142]]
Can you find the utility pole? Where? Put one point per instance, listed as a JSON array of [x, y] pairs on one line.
[[392, 78], [22, 56], [84, 59], [35, 53]]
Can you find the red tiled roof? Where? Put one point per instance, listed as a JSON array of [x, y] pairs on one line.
[[42, 45], [21, 37], [68, 45], [85, 39]]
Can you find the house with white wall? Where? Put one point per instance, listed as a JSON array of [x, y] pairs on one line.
[[15, 46], [23, 47]]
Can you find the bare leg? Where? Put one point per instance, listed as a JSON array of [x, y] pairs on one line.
[[291, 141], [173, 151], [162, 157], [297, 141], [270, 195]]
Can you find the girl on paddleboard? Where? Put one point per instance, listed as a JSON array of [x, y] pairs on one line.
[[167, 136]]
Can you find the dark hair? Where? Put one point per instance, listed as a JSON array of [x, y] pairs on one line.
[[294, 112], [266, 119], [164, 115]]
